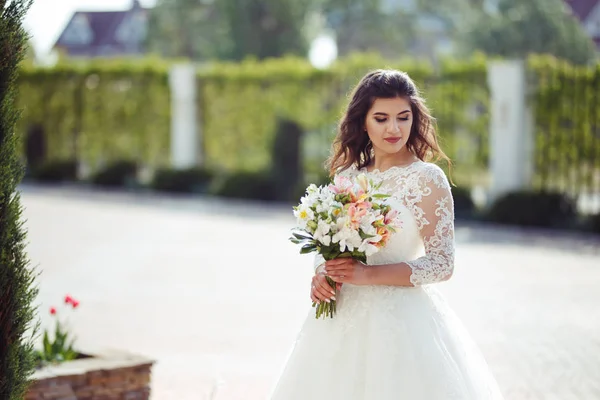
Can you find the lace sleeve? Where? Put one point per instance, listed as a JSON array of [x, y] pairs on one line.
[[318, 261], [435, 211]]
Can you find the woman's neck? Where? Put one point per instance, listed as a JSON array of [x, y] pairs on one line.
[[384, 162]]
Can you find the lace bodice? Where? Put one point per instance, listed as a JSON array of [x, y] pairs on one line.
[[425, 242]]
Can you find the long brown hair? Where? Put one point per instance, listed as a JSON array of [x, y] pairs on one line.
[[352, 146]]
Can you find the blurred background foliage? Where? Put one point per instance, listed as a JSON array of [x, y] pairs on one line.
[[233, 30], [268, 112]]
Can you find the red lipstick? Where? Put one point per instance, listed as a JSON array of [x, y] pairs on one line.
[[392, 139]]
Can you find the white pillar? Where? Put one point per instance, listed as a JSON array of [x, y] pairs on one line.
[[511, 129], [184, 132]]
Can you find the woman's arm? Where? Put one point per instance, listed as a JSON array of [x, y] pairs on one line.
[[436, 220]]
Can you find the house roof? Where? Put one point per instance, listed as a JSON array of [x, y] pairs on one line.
[[582, 8], [101, 26]]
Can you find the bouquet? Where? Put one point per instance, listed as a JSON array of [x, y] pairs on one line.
[[347, 218]]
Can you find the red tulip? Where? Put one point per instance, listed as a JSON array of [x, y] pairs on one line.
[[52, 311], [74, 303], [68, 299]]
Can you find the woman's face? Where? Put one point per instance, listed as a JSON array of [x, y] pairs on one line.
[[388, 124]]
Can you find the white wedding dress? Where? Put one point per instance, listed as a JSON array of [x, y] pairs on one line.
[[395, 343]]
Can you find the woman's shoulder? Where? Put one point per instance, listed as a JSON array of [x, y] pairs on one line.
[[429, 173]]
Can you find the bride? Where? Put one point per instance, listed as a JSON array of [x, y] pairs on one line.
[[393, 336]]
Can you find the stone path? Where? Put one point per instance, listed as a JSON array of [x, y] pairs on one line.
[[188, 283]]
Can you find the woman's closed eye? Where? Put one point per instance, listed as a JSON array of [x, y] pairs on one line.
[[382, 120]]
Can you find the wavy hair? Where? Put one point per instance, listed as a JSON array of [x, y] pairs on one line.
[[352, 146]]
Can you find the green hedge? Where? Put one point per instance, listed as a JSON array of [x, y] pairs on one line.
[[101, 112], [242, 102], [566, 105], [534, 209]]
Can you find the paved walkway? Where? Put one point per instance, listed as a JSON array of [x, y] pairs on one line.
[[188, 282]]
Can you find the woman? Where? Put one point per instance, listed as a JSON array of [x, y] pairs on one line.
[[393, 336]]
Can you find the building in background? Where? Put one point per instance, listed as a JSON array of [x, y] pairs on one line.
[[105, 33], [588, 12]]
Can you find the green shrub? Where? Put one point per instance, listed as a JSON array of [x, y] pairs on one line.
[[593, 222], [463, 202], [286, 167], [190, 180], [119, 173], [540, 209], [248, 185], [18, 279], [55, 171]]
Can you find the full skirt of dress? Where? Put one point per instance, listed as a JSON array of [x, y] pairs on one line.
[[386, 343]]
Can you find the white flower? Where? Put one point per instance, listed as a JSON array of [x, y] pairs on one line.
[[309, 199], [303, 214], [368, 248], [347, 238], [312, 189], [363, 182], [366, 224], [322, 233]]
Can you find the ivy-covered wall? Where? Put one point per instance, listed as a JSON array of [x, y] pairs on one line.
[[101, 113], [566, 104], [241, 103], [105, 111]]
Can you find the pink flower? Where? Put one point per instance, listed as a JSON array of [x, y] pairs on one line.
[[390, 217], [52, 311], [340, 184], [356, 213], [364, 205], [385, 236], [70, 300], [358, 196]]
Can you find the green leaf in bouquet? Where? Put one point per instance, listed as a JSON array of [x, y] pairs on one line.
[[308, 248], [375, 185], [364, 235], [342, 198], [346, 254], [302, 236], [380, 195], [328, 251]]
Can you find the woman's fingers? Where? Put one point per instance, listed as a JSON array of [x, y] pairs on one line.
[[312, 295], [335, 267], [340, 271], [325, 289], [337, 261], [341, 275], [340, 279], [322, 288]]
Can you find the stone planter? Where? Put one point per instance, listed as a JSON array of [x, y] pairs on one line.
[[106, 375]]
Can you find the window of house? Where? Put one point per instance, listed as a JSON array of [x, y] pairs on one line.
[[133, 29], [78, 32]]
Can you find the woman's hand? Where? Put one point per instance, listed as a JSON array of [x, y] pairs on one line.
[[321, 290], [347, 270]]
